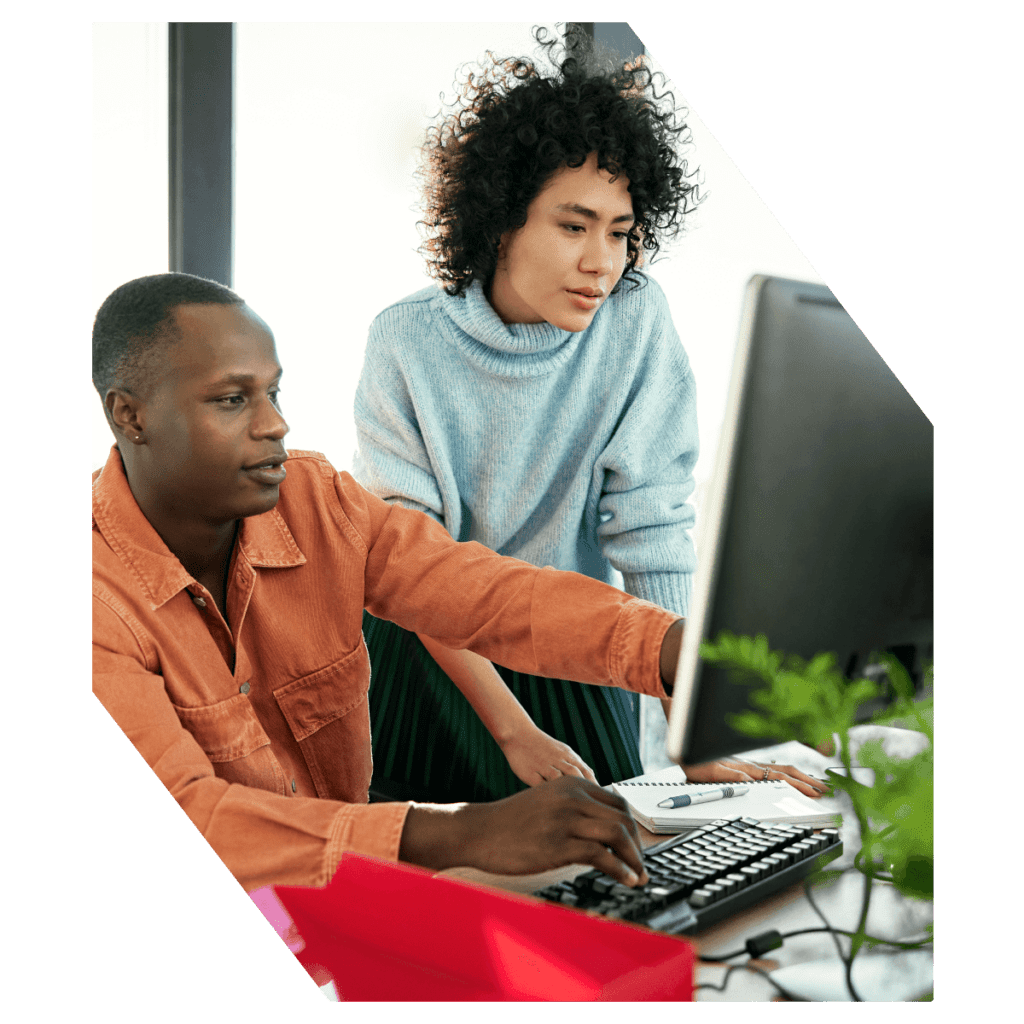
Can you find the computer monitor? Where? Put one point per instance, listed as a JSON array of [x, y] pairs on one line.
[[818, 525]]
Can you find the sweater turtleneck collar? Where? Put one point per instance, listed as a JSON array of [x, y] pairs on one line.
[[476, 316]]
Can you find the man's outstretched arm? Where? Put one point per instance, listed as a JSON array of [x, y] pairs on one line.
[[565, 821]]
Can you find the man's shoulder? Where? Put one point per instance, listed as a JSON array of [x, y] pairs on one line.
[[311, 477]]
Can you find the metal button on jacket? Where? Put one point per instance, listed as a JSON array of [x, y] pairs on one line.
[[244, 688]]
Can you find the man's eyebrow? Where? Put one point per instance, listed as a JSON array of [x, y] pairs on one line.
[[239, 380], [585, 211]]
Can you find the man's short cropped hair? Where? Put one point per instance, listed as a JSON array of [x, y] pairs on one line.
[[514, 125], [137, 319]]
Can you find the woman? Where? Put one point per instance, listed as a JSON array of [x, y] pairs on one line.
[[540, 403]]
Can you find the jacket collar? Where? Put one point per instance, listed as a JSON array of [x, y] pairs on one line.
[[263, 540]]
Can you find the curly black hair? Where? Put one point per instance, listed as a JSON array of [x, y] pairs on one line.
[[513, 126], [137, 317]]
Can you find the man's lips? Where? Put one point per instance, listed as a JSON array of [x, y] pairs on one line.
[[271, 463], [270, 471]]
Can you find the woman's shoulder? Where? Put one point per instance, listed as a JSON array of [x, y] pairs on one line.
[[400, 326], [640, 295], [411, 305]]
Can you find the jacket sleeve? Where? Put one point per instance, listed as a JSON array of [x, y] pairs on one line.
[[560, 625], [646, 471], [391, 459], [263, 837]]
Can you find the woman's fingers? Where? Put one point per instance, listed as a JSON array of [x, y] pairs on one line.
[[799, 780], [720, 771]]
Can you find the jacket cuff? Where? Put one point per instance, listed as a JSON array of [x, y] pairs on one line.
[[635, 656], [374, 830]]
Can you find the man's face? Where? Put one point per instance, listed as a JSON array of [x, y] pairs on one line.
[[561, 265], [214, 432]]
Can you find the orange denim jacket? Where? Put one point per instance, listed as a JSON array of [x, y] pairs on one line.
[[261, 731]]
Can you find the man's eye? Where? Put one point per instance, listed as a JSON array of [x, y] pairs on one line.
[[232, 399], [275, 397], [574, 228]]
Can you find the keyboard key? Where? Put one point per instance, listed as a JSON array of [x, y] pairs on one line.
[[701, 898]]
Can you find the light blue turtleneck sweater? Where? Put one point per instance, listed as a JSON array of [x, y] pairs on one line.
[[574, 450]]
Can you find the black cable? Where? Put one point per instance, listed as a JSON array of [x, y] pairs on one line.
[[721, 958], [846, 961], [773, 940], [785, 993]]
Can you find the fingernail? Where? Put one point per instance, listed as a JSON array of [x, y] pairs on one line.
[[632, 878]]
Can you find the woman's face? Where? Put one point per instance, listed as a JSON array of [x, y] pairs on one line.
[[564, 261]]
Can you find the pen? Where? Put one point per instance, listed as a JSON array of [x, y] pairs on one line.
[[704, 797]]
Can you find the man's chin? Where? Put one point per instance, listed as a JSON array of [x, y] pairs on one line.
[[262, 503]]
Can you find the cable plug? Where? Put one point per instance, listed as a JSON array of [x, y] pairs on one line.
[[761, 944]]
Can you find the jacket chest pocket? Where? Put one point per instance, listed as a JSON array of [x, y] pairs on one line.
[[328, 714], [236, 744]]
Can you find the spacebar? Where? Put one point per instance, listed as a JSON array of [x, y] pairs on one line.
[[674, 918]]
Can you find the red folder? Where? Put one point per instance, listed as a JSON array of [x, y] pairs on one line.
[[384, 931]]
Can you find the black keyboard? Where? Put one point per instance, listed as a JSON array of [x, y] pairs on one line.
[[705, 874]]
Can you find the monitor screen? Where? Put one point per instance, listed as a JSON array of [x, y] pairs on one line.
[[817, 529]]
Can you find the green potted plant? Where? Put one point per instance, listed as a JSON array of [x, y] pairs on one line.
[[812, 702]]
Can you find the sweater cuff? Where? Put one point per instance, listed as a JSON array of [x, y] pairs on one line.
[[670, 590]]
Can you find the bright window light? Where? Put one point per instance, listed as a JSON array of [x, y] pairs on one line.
[[129, 167]]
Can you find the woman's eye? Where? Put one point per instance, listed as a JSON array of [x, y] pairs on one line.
[[574, 228], [275, 397]]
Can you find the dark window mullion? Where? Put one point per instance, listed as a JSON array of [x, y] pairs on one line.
[[201, 149]]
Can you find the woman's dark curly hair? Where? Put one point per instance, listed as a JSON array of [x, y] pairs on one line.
[[513, 126]]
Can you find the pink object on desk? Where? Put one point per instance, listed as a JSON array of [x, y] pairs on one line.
[[383, 931]]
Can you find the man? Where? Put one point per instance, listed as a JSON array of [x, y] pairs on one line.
[[229, 582]]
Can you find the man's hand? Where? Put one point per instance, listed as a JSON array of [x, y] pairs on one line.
[[566, 821], [536, 757], [735, 769]]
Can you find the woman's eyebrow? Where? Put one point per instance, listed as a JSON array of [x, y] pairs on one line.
[[585, 211]]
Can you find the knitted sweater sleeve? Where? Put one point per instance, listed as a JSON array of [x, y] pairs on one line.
[[647, 467], [391, 460]]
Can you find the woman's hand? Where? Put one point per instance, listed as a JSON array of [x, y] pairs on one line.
[[536, 757], [736, 769]]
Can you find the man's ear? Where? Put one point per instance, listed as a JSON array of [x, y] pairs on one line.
[[124, 413]]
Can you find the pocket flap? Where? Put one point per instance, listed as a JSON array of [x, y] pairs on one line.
[[322, 697], [226, 730]]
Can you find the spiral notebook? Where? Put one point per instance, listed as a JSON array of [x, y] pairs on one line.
[[773, 801]]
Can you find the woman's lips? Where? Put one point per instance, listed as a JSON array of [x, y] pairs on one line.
[[583, 301]]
